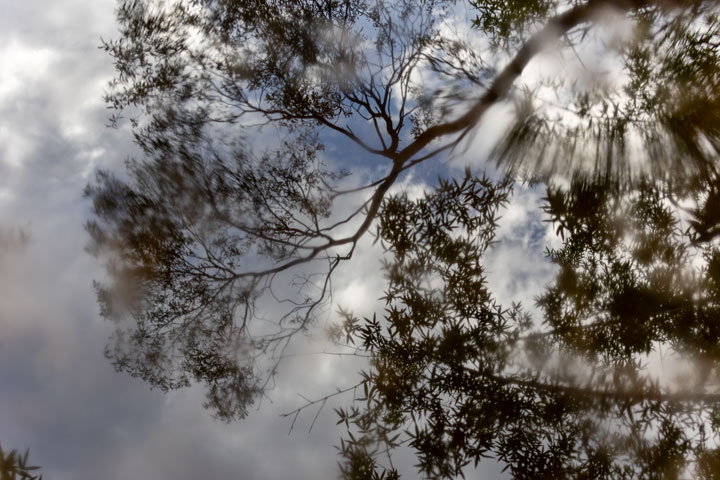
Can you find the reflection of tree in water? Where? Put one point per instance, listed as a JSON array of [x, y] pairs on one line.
[[458, 376], [205, 231]]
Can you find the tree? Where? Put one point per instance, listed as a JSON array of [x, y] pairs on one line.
[[204, 229]]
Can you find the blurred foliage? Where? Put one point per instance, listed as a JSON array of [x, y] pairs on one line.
[[14, 466], [506, 22], [651, 110]]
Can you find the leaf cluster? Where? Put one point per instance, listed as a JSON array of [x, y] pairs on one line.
[[506, 22], [14, 466], [457, 378], [176, 237]]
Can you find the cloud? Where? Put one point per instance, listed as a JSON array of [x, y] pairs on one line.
[[516, 265]]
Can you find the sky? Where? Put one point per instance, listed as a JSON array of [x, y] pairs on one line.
[[59, 396]]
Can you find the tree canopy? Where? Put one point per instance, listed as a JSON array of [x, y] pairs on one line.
[[203, 234]]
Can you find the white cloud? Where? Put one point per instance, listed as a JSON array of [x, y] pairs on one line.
[[517, 267], [22, 67]]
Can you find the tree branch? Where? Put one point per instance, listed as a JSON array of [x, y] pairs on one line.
[[555, 29]]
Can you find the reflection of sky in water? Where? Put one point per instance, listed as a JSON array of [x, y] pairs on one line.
[[58, 395]]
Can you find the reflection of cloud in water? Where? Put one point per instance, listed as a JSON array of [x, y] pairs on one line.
[[516, 264]]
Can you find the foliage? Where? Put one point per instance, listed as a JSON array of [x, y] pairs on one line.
[[457, 377], [189, 271], [506, 22], [206, 230], [656, 116], [14, 466]]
